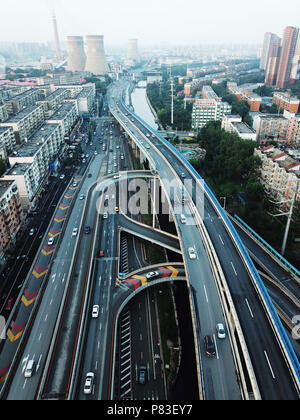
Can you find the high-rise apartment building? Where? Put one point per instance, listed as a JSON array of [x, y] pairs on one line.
[[288, 48], [265, 50], [273, 61], [132, 52]]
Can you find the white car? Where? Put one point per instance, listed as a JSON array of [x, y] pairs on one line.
[[50, 241], [75, 231], [81, 197], [220, 330], [105, 215], [95, 311], [62, 177], [192, 253], [182, 218], [152, 275], [89, 383]]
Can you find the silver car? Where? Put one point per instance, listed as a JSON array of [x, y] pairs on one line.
[[89, 383], [220, 330]]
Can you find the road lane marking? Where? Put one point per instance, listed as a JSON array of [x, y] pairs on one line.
[[234, 269], [216, 346], [251, 313], [205, 293], [270, 367]]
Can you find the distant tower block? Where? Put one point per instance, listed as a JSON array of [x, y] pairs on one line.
[[96, 62], [132, 53], [77, 56]]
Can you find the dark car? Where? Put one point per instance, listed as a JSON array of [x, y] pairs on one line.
[[142, 374], [9, 304], [209, 344], [87, 229]]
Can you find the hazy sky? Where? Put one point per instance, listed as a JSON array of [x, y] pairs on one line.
[[151, 21]]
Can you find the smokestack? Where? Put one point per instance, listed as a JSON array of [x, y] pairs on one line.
[[96, 62], [77, 56], [132, 53], [56, 37]]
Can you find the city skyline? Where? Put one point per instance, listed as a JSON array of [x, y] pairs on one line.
[[225, 23]]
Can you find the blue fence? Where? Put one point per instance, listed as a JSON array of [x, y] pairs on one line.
[[289, 267], [290, 351]]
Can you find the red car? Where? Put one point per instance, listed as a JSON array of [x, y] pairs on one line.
[[101, 253], [9, 304]]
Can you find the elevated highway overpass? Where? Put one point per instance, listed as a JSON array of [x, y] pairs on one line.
[[273, 361]]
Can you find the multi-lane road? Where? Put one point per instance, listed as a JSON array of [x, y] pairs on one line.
[[66, 342], [271, 371]]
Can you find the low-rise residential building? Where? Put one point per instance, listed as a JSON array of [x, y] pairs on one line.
[[234, 124], [21, 101], [154, 76], [7, 141], [31, 163], [284, 100], [11, 215], [86, 99], [52, 102], [280, 175], [293, 131], [209, 107], [245, 93], [25, 122], [3, 112], [270, 127], [66, 115]]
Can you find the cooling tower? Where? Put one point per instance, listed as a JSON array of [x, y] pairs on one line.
[[132, 53], [77, 56], [96, 62]]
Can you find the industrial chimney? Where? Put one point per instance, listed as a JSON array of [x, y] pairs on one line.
[[96, 62], [56, 38], [77, 56]]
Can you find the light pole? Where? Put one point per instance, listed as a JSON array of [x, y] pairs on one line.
[[289, 214], [224, 202], [287, 228]]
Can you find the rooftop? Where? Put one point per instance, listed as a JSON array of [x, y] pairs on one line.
[[243, 128], [36, 140], [62, 111], [4, 186], [17, 169], [53, 95], [22, 114]]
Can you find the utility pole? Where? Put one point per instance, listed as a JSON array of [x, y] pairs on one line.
[[288, 223], [172, 102], [172, 93], [290, 215]]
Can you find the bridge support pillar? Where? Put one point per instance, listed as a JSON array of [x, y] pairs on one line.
[[141, 157]]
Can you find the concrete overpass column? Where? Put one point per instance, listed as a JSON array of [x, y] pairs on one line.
[[141, 157]]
